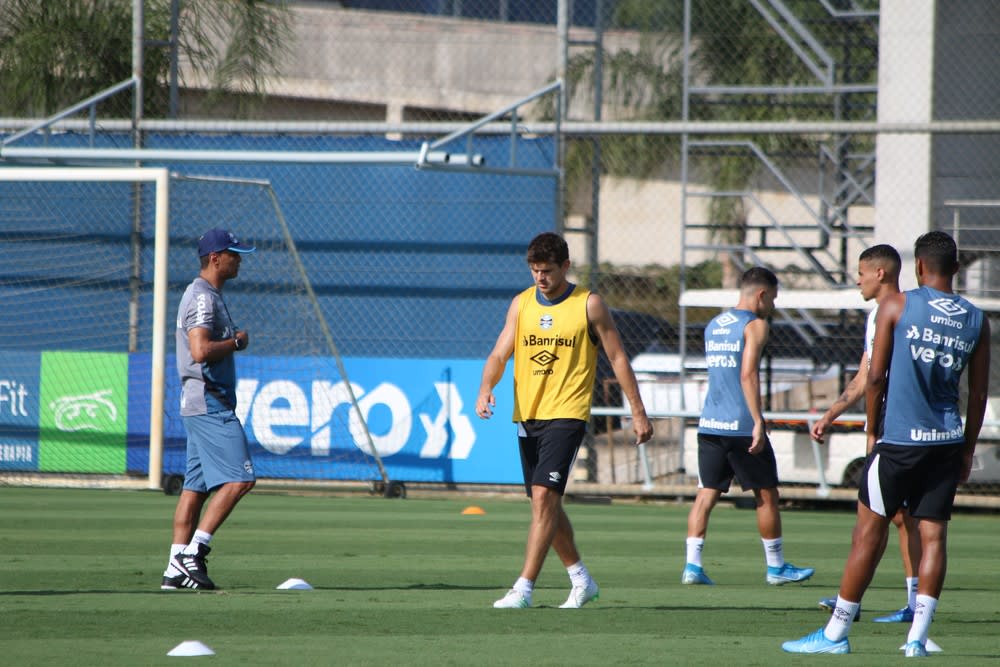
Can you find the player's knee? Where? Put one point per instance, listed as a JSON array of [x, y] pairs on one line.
[[545, 497], [244, 487]]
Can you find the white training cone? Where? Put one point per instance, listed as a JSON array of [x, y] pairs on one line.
[[191, 648], [294, 585], [931, 646]]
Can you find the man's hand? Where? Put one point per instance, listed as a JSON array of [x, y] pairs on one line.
[[241, 340], [819, 428], [642, 428], [870, 444], [966, 467], [759, 438], [484, 405]]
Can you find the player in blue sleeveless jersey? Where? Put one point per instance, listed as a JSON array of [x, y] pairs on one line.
[[878, 277], [925, 338], [732, 441]]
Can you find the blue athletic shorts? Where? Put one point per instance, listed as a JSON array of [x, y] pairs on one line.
[[217, 451]]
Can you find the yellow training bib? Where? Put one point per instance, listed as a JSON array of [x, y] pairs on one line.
[[555, 360]]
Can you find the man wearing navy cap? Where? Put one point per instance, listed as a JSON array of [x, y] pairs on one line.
[[218, 458]]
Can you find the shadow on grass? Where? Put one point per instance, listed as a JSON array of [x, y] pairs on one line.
[[248, 590]]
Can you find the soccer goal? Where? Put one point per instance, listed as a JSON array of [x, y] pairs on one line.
[[94, 262]]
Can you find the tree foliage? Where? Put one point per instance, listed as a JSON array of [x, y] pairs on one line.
[[730, 45], [54, 53]]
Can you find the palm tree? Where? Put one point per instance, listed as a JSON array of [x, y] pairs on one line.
[[57, 52]]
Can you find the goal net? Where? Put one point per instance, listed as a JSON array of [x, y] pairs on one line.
[[91, 280]]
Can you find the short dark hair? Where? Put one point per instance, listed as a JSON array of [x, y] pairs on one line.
[[548, 247], [884, 253], [939, 252], [758, 276]]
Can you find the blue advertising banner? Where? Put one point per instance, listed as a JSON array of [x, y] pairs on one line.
[[298, 417], [19, 384]]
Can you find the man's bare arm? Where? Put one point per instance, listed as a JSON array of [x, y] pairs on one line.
[[600, 319], [754, 337], [854, 391], [496, 362], [889, 312], [979, 381]]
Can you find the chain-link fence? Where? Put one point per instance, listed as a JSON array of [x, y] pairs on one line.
[[698, 138]]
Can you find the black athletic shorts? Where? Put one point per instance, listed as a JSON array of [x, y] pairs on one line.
[[923, 478], [548, 449], [720, 457]]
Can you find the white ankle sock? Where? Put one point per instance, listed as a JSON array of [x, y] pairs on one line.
[[841, 619], [525, 587], [578, 574], [911, 592], [774, 554], [923, 614], [172, 571], [695, 545], [200, 537]]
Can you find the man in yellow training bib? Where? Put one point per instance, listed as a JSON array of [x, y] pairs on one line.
[[553, 329]]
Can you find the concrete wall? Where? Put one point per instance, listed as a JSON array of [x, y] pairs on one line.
[[350, 64], [903, 183], [402, 62], [938, 61]]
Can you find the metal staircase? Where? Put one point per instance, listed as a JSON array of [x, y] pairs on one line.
[[817, 234], [814, 234]]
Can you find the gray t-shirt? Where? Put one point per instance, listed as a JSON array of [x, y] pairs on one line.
[[205, 387]]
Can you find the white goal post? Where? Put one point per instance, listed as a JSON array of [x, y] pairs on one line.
[[160, 179], [87, 278]]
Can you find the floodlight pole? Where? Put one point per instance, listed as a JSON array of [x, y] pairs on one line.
[[562, 60], [137, 56], [135, 277], [175, 10]]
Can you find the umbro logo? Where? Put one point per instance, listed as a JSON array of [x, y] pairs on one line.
[[545, 322], [555, 477], [725, 319], [544, 358], [947, 306]]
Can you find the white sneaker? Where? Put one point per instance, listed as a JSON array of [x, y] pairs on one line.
[[513, 600], [581, 595]]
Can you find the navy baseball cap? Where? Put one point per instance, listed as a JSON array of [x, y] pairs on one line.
[[217, 240]]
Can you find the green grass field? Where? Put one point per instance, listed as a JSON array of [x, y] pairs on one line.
[[412, 582]]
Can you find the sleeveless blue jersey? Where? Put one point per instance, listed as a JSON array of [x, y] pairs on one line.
[[932, 343], [726, 411]]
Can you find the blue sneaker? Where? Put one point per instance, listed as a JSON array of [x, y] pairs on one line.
[[915, 649], [831, 603], [904, 615], [694, 574], [817, 643], [776, 576]]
